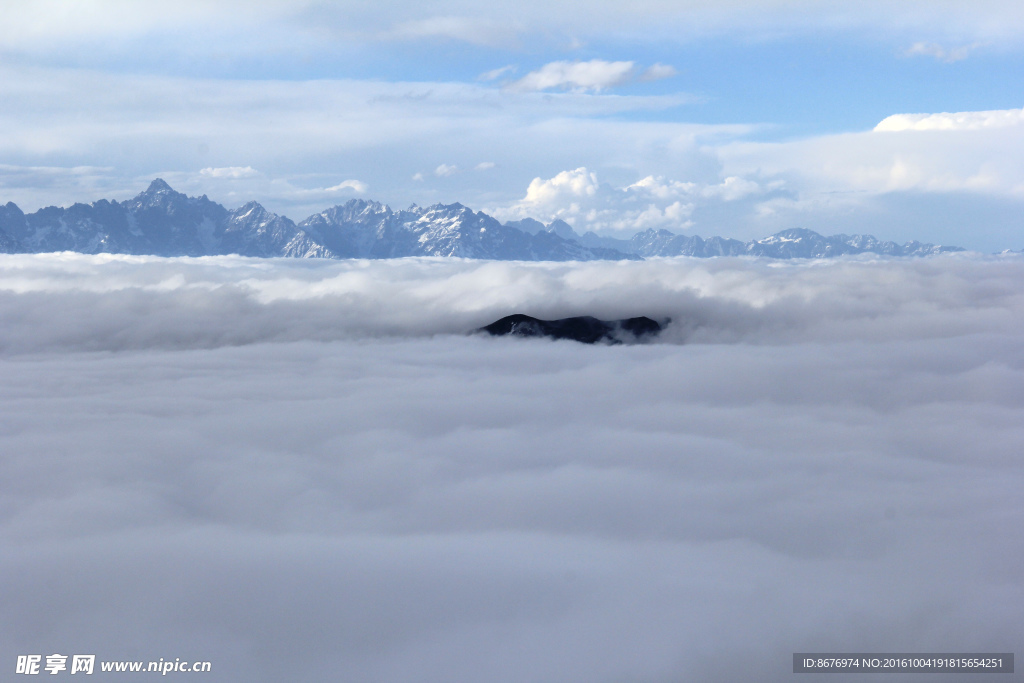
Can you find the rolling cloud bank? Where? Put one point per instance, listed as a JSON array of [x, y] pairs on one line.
[[309, 470]]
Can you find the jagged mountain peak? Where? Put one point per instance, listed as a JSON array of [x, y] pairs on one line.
[[354, 210], [252, 212], [158, 185], [251, 208], [796, 234], [159, 194], [455, 208], [562, 229], [163, 222], [362, 206]]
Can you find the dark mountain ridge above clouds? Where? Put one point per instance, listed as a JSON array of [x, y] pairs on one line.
[[163, 222]]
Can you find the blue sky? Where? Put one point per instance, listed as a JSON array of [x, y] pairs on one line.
[[738, 120]]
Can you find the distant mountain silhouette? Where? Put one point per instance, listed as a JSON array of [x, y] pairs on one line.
[[163, 222]]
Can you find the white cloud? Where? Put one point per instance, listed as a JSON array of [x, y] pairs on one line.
[[661, 188], [229, 172], [484, 166], [674, 215], [418, 177], [964, 120], [356, 186], [657, 72], [278, 300], [653, 202], [495, 74], [445, 170], [105, 26], [969, 156], [474, 30], [733, 188], [963, 163], [142, 127], [573, 184], [375, 496], [942, 54], [596, 74]]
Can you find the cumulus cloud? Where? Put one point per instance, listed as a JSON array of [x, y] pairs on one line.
[[577, 183], [375, 496], [484, 166], [941, 152], [578, 197], [445, 170], [964, 120], [967, 163]]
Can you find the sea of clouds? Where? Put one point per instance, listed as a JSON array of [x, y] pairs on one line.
[[313, 471]]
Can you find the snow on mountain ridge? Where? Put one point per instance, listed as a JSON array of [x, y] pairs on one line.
[[163, 222]]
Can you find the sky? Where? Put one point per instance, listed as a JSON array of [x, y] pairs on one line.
[[311, 470], [901, 119]]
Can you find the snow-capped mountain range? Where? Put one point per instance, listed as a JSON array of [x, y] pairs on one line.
[[163, 222]]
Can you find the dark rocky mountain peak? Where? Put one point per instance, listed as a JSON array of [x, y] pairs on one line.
[[585, 329]]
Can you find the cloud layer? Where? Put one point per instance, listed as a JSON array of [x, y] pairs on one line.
[[41, 25], [77, 302], [830, 463]]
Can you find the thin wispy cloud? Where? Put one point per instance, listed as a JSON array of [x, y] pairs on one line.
[[474, 30], [356, 186], [229, 172], [657, 72], [446, 170], [595, 75], [495, 74], [940, 53]]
